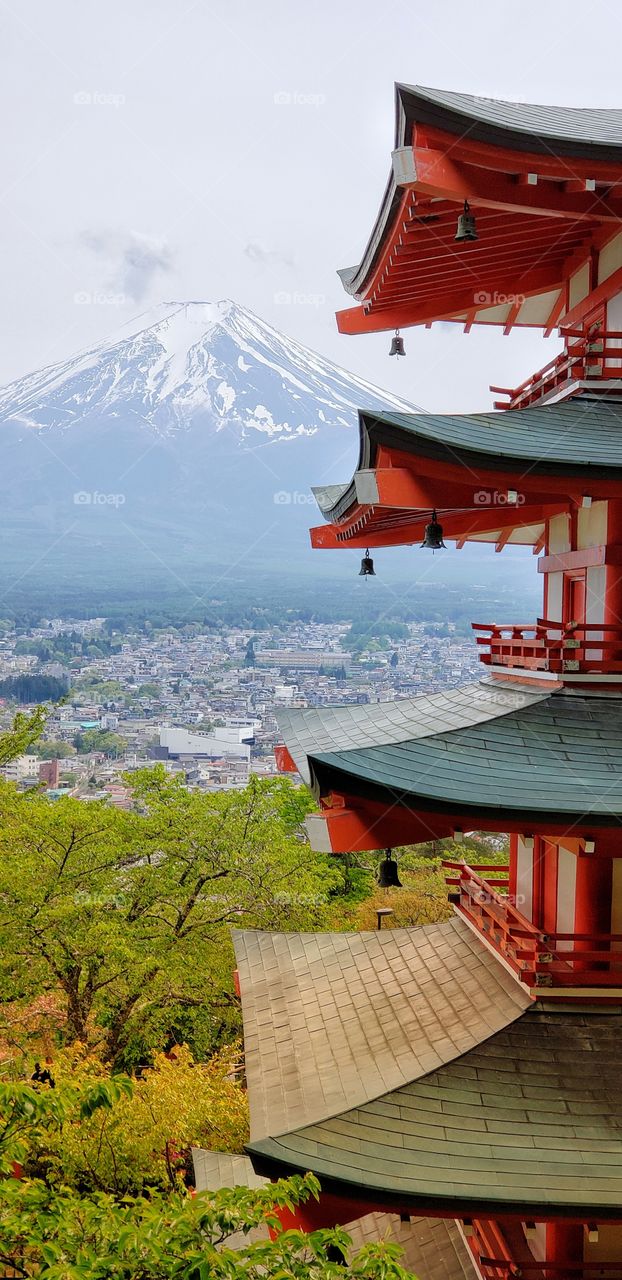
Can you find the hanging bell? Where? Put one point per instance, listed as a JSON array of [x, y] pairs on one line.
[[387, 872], [433, 536], [367, 566], [397, 345], [466, 229]]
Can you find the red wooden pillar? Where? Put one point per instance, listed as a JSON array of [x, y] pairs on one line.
[[613, 584], [593, 900], [564, 1243], [549, 886]]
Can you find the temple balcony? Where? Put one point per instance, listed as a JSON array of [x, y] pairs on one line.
[[558, 961], [589, 363], [573, 650]]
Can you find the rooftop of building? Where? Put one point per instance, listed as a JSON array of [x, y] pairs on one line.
[[408, 1068]]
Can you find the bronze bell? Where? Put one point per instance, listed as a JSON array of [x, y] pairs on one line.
[[433, 536], [387, 872], [367, 566], [466, 229], [397, 345]]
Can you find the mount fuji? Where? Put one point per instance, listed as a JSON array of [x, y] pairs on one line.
[[190, 437]]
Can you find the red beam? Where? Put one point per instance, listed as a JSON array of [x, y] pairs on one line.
[[509, 160], [437, 175], [446, 306]]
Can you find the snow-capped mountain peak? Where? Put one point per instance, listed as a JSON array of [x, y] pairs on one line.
[[185, 360]]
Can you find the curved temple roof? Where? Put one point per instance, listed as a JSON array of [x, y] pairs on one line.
[[531, 1117], [432, 1248], [482, 750], [540, 177], [334, 1020], [310, 733], [408, 1068], [550, 452], [573, 130]]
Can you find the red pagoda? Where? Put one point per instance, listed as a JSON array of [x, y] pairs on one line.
[[470, 1071]]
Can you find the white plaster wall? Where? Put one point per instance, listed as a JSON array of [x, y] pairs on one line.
[[555, 592], [524, 878], [579, 285], [566, 893], [592, 526], [610, 258], [614, 321], [559, 534]]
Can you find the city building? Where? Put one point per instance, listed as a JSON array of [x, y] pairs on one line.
[[469, 1071]]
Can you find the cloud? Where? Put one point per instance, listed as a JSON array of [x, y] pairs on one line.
[[266, 257], [132, 260]]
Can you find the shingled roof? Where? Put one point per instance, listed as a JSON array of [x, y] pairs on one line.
[[433, 1248], [531, 1117], [529, 126], [556, 754], [334, 1020], [575, 438]]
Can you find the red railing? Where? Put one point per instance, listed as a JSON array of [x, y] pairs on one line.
[[540, 959], [588, 357], [556, 647]]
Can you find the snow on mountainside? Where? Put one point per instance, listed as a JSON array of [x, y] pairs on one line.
[[155, 454], [184, 360]]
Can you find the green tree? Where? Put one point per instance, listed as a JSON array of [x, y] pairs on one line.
[[128, 914], [111, 744], [53, 1232], [52, 749]]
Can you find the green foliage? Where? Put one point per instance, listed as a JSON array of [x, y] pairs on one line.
[[52, 749], [373, 635], [128, 914], [27, 688], [25, 730], [49, 1231], [111, 744], [143, 1141]]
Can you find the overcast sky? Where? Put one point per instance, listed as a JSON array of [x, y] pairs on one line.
[[157, 150]]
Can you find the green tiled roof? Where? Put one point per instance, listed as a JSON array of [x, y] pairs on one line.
[[561, 755], [432, 1247], [580, 439], [581, 433], [531, 1117], [315, 730]]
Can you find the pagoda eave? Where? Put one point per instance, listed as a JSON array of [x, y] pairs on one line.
[[270, 1160]]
